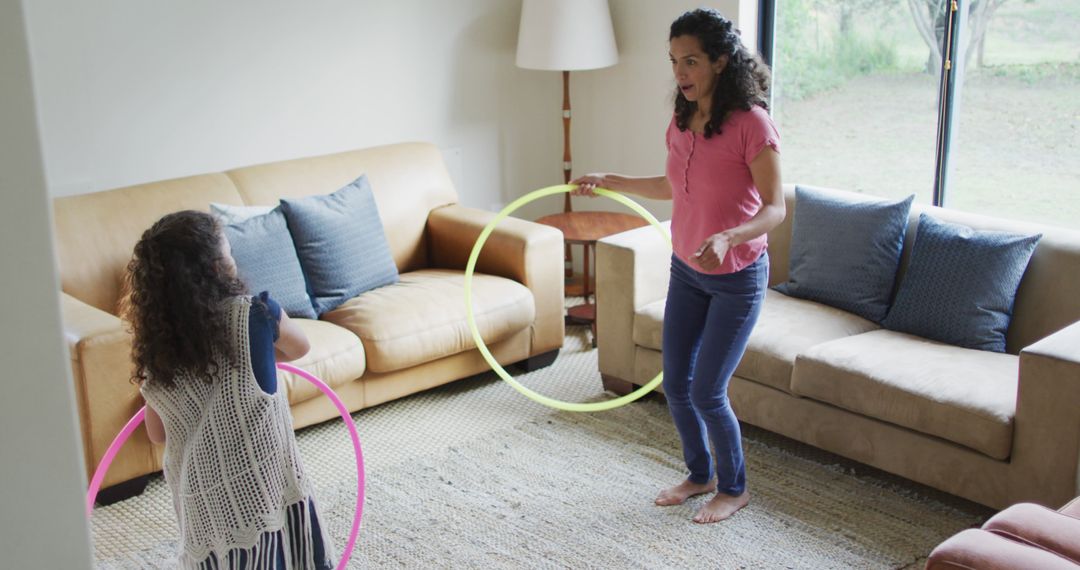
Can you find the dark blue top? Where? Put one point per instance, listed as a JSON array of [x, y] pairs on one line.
[[262, 334]]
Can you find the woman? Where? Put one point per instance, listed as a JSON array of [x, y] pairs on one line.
[[723, 175]]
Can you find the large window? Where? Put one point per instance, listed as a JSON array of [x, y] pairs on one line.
[[857, 96], [1017, 149]]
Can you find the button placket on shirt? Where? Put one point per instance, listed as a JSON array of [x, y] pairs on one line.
[[689, 156]]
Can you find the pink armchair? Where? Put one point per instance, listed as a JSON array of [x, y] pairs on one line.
[[1022, 536]]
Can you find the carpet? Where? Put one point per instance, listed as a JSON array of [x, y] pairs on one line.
[[474, 475]]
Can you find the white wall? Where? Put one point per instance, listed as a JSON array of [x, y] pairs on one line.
[[41, 469], [138, 90], [142, 90]]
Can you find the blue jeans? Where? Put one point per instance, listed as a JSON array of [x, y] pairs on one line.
[[715, 313]]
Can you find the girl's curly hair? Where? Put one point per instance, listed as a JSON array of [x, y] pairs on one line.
[[178, 283], [745, 80]]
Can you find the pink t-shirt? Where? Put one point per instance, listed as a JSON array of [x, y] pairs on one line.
[[711, 186]]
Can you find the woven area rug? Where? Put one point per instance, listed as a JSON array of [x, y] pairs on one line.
[[474, 475]]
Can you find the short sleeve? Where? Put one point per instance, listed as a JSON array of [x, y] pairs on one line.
[[262, 334], [667, 134], [759, 132], [270, 310]]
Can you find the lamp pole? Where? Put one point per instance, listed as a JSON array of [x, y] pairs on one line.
[[567, 165]]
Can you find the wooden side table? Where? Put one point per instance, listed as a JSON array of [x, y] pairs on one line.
[[584, 228]]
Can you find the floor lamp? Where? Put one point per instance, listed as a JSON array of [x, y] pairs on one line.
[[566, 35]]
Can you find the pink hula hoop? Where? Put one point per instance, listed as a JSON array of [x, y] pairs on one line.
[[129, 427]]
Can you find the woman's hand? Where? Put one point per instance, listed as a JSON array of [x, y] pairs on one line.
[[653, 187], [586, 185], [712, 253]]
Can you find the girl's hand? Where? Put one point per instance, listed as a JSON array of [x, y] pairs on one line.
[[292, 343], [587, 184], [712, 253]]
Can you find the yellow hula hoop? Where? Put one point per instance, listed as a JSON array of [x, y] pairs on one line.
[[480, 241]]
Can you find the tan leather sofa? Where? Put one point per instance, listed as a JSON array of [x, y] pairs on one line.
[[384, 344], [994, 428]]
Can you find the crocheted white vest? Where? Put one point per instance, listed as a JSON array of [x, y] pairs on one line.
[[231, 462]]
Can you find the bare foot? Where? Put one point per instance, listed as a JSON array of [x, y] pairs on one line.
[[721, 507], [678, 494]]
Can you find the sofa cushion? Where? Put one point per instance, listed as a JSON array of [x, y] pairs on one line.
[[649, 325], [423, 317], [336, 357], [960, 284], [266, 260], [340, 241], [845, 250], [962, 395], [787, 326]]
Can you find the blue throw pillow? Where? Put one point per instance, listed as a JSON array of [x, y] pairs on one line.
[[266, 261], [340, 241], [845, 250], [960, 284], [229, 214]]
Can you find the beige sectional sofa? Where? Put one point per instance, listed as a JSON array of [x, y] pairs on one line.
[[991, 427], [383, 344]]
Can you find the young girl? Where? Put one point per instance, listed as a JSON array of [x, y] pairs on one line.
[[204, 357]]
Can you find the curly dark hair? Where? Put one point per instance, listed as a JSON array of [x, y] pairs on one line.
[[745, 80], [178, 283]]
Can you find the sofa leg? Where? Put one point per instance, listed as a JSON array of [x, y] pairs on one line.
[[121, 491], [537, 362], [616, 385]]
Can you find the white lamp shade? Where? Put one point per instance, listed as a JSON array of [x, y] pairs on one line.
[[565, 35]]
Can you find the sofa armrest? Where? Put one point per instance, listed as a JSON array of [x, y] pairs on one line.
[[527, 252], [100, 350], [1047, 425], [632, 271]]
